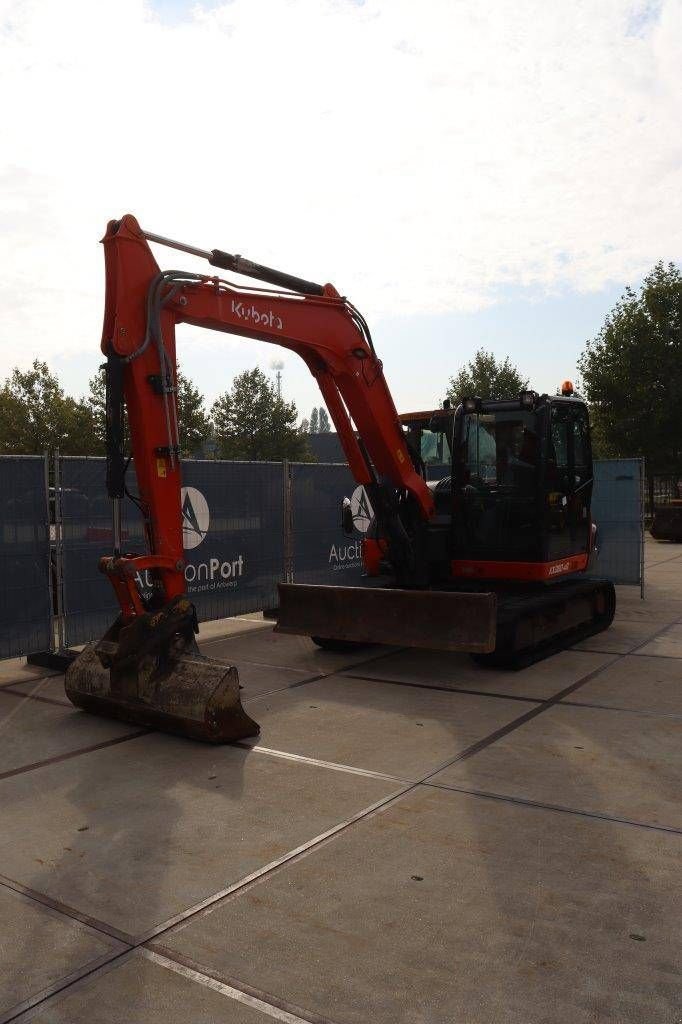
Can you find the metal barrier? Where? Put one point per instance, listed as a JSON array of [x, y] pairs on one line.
[[233, 515], [26, 593], [618, 511], [321, 551], [246, 526]]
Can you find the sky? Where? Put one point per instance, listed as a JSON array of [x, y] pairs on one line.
[[468, 173]]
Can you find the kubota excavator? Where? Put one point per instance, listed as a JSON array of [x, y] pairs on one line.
[[485, 560]]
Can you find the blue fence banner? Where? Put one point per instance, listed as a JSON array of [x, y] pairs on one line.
[[26, 593], [233, 516], [618, 511], [322, 552]]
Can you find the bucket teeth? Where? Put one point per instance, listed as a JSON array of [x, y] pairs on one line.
[[157, 678]]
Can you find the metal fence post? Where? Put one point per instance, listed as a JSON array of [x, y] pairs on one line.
[[54, 640], [642, 511], [288, 569], [59, 553]]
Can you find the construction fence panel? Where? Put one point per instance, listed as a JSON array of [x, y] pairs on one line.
[[26, 594], [618, 511], [233, 516], [321, 551]]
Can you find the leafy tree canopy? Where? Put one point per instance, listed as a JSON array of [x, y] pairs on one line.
[[318, 423], [632, 373], [486, 377], [35, 415], [194, 423], [251, 422]]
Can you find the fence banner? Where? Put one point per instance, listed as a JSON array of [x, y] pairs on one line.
[[25, 595], [322, 552], [233, 516], [617, 509]]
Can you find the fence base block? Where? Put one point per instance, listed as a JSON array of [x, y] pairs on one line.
[[59, 660]]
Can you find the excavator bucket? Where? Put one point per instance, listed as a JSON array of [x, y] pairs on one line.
[[443, 620], [152, 673]]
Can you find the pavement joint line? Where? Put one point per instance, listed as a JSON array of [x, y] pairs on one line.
[[28, 1008], [664, 657], [36, 696], [663, 561], [516, 723], [442, 688], [210, 902], [35, 765], [318, 763], [321, 675], [238, 991], [63, 908], [32, 679], [559, 808], [611, 707]]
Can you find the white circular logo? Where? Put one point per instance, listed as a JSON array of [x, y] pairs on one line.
[[195, 517], [363, 512]]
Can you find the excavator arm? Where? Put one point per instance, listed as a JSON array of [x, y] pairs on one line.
[[143, 307]]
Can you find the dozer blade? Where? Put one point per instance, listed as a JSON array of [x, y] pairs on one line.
[[441, 620], [156, 677]]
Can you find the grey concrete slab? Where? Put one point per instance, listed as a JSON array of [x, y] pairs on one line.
[[638, 683], [16, 670], [620, 638], [460, 672], [448, 908], [606, 762], [255, 679], [630, 607], [134, 834], [51, 687], [140, 990], [403, 731], [667, 645], [218, 629], [39, 946], [265, 647], [33, 731]]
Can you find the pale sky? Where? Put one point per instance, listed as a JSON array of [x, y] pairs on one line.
[[469, 173]]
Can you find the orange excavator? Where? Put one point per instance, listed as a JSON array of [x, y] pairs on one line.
[[490, 559]]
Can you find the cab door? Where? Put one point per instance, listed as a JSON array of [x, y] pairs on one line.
[[568, 481]]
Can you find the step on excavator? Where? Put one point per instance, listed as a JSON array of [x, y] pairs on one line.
[[491, 559]]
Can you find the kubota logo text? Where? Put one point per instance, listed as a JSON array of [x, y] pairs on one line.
[[554, 570], [258, 317]]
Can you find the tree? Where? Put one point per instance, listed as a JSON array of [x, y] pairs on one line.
[[325, 426], [194, 424], [632, 374], [304, 427], [314, 422], [35, 414], [486, 377], [251, 422]]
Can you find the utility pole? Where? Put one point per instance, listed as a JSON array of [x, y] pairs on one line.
[[278, 365]]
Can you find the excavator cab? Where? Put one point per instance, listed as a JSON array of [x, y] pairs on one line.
[[522, 485]]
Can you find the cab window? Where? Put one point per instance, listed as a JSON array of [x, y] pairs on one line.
[[501, 450]]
